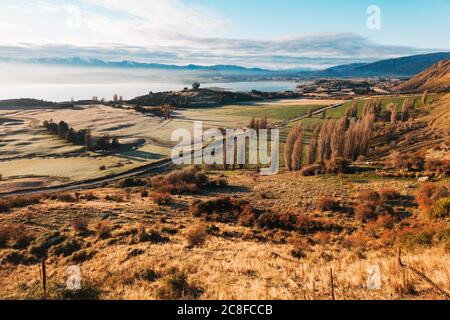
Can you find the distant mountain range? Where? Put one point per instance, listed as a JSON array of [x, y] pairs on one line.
[[399, 67]]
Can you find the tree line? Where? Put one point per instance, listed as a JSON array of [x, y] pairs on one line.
[[81, 137]]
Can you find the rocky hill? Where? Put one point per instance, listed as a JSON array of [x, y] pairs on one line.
[[433, 79]]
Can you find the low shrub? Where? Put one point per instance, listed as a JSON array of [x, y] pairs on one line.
[[389, 194], [428, 194], [80, 224], [327, 204], [9, 203], [175, 286], [411, 240], [116, 197], [66, 197], [441, 208], [371, 196], [161, 199], [131, 182], [188, 180], [103, 230], [312, 170], [196, 235]]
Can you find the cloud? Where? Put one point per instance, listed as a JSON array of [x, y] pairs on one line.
[[166, 31]]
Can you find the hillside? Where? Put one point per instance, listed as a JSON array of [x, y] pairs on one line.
[[433, 79], [399, 67]]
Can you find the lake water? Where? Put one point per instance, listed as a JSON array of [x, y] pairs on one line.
[[64, 92]]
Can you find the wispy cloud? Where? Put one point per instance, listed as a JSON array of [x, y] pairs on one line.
[[165, 31]]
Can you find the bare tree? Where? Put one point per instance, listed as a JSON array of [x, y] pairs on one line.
[[312, 152], [289, 146], [297, 152]]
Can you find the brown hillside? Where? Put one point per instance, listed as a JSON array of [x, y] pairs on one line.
[[433, 79]]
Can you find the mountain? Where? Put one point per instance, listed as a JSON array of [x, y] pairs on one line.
[[433, 79], [97, 63], [399, 67]]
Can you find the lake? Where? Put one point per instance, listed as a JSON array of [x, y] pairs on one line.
[[64, 92]]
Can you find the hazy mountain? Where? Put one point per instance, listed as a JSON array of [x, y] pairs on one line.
[[399, 67]]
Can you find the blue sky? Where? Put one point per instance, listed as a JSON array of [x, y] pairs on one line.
[[418, 23], [255, 33]]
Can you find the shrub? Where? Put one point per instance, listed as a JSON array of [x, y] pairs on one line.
[[90, 196], [222, 209], [66, 248], [162, 199], [9, 203], [103, 230], [327, 204], [371, 196], [80, 224], [299, 247], [4, 236], [196, 236], [389, 194], [312, 170], [366, 211], [188, 180], [116, 197], [428, 194], [441, 209], [175, 287], [131, 182], [66, 197], [411, 240], [337, 165]]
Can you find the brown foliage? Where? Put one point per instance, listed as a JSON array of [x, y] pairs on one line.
[[161, 199], [80, 224], [291, 140], [188, 180], [327, 204], [196, 235], [9, 203]]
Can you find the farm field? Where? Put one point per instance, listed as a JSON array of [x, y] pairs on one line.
[[28, 151]]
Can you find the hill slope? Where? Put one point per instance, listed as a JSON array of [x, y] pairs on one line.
[[433, 79]]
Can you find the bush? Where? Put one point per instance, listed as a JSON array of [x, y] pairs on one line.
[[299, 247], [188, 180], [176, 287], [66, 197], [411, 240], [4, 236], [441, 209], [312, 170], [131, 182], [103, 230], [80, 224], [327, 204], [9, 203], [90, 196], [161, 199], [389, 194], [222, 209], [116, 197], [428, 194], [196, 236], [337, 165], [371, 196]]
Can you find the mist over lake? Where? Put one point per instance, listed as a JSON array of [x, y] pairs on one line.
[[60, 83]]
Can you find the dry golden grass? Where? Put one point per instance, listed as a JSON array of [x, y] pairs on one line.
[[143, 252]]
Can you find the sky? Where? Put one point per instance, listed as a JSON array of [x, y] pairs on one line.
[[273, 34]]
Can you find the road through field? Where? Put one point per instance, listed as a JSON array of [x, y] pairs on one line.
[[143, 171]]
